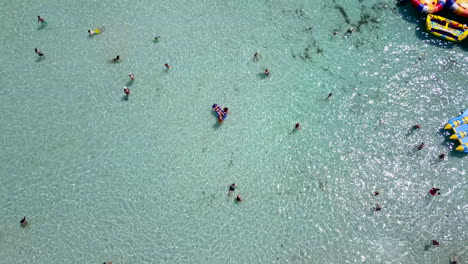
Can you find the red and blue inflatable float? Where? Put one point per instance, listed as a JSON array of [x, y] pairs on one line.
[[459, 7], [429, 6]]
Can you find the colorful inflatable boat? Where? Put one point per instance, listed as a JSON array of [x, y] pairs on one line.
[[446, 28], [460, 7], [428, 6], [459, 126]]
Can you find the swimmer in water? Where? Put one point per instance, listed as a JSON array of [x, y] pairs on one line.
[[413, 128], [435, 243], [329, 96], [375, 193], [442, 157], [256, 56], [23, 222], [232, 188], [41, 20], [167, 66], [96, 31], [434, 191], [377, 208], [116, 59], [39, 52], [132, 76], [266, 72], [239, 199], [127, 91], [297, 126], [421, 146], [157, 38]]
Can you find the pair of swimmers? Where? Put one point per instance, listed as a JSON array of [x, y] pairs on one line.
[[232, 188], [222, 113]]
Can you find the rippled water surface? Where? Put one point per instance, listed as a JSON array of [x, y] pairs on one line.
[[144, 179]]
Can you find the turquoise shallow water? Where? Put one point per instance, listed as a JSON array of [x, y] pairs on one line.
[[145, 180]]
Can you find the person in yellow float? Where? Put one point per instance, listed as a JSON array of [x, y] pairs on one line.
[[96, 31]]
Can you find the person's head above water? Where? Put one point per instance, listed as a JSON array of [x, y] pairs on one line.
[[226, 109], [23, 222]]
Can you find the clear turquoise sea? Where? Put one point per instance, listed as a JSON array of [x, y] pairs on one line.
[[145, 180]]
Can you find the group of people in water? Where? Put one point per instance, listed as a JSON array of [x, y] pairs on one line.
[[222, 113]]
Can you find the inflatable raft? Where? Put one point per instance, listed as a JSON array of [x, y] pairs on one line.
[[459, 7], [446, 28], [428, 6], [459, 126]]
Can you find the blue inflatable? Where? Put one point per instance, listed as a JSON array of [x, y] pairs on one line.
[[459, 125]]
